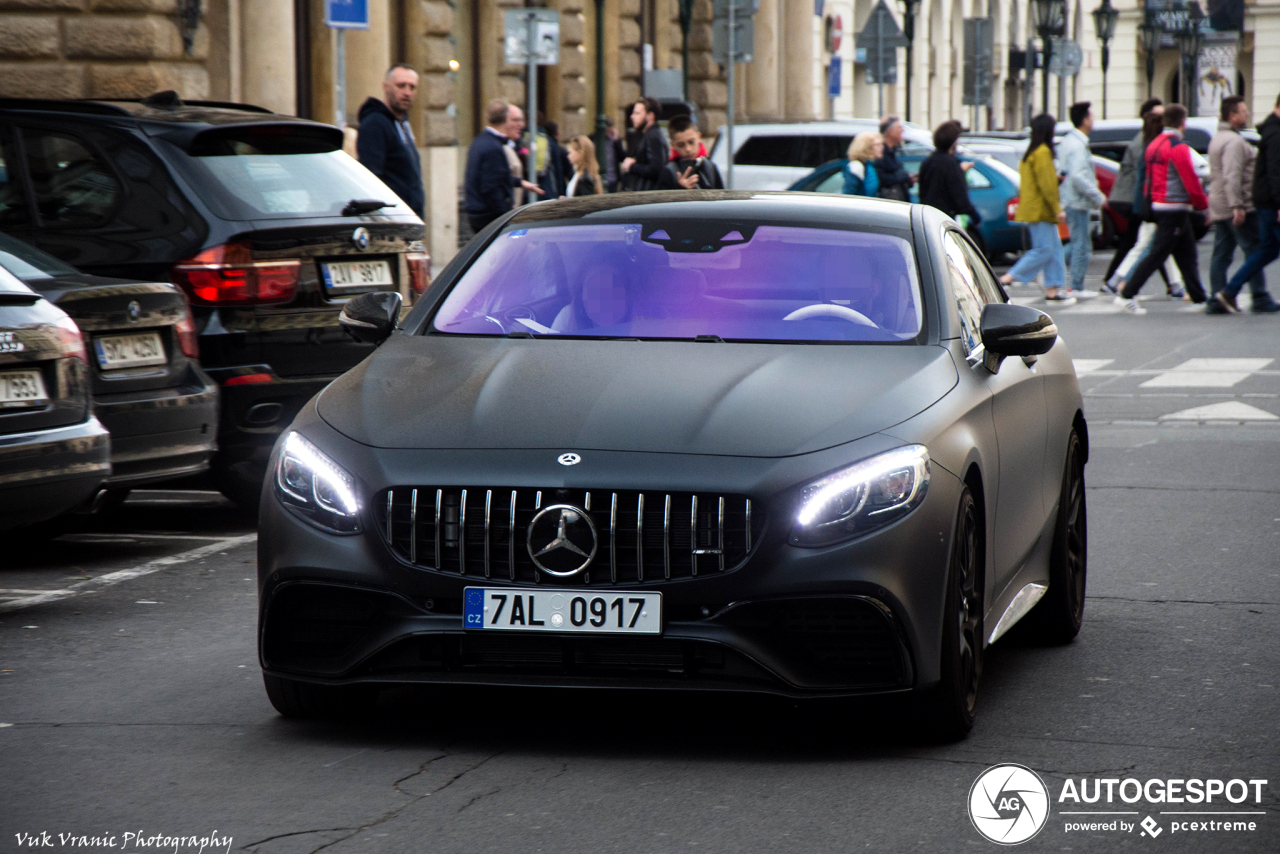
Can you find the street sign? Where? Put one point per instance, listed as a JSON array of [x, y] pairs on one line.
[[833, 78], [881, 37], [1067, 58], [544, 27], [744, 39], [979, 56], [347, 14]]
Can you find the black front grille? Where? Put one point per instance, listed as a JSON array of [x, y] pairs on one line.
[[641, 536]]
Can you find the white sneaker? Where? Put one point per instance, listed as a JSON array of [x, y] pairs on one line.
[[1130, 305], [1082, 293]]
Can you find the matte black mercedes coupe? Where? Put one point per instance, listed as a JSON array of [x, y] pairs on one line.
[[724, 440]]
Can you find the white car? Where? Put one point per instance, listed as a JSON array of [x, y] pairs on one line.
[[775, 156]]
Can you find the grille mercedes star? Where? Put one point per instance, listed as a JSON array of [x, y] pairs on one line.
[[643, 537]]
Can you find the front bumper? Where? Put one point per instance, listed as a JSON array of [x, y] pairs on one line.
[[47, 472], [858, 617]]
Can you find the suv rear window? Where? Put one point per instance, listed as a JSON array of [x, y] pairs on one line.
[[243, 182]]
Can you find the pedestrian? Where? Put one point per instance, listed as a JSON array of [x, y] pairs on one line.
[[1174, 190], [1124, 188], [1079, 194], [1266, 199], [861, 178], [1231, 210], [489, 181], [551, 162], [384, 142], [614, 154], [518, 155], [942, 182], [895, 181], [586, 171], [649, 156], [690, 168], [1152, 127], [1040, 207]]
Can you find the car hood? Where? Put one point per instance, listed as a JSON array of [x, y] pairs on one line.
[[758, 400]]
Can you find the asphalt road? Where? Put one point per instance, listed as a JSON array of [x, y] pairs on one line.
[[131, 702]]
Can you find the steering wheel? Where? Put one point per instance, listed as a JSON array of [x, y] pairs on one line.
[[827, 309]]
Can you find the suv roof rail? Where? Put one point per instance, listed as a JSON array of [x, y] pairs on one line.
[[69, 105], [230, 105]]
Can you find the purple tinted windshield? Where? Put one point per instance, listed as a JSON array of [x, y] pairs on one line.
[[735, 281]]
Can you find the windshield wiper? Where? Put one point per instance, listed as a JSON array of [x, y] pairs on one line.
[[355, 207]]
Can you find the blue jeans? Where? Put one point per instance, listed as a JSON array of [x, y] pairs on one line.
[[1268, 250], [1045, 254], [1081, 246], [1226, 237]]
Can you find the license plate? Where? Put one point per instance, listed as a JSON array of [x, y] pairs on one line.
[[356, 274], [615, 613], [130, 351], [22, 388]]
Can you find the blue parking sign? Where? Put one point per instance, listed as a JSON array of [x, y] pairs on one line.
[[347, 14], [833, 78]]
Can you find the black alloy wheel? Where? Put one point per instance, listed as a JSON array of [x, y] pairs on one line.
[[1057, 617], [952, 705]]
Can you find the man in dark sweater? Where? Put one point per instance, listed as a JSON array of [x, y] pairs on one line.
[[690, 168], [895, 182], [942, 181], [385, 141], [488, 181], [642, 169], [1266, 198]]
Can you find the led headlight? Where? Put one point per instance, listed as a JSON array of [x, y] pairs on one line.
[[315, 487], [862, 497]]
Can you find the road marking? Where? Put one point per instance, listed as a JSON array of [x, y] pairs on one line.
[[1232, 410], [125, 574], [1213, 373], [1088, 366], [112, 537]]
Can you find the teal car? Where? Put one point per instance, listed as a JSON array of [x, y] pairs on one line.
[[993, 188]]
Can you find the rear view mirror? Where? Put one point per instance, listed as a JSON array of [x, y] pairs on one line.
[[370, 318], [1017, 330]]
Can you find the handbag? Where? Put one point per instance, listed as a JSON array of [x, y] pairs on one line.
[[897, 192]]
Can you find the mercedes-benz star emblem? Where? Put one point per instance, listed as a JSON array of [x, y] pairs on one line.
[[360, 238], [561, 540], [568, 459], [135, 311]]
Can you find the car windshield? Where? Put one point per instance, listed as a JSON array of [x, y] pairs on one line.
[[27, 262], [689, 279], [247, 183]]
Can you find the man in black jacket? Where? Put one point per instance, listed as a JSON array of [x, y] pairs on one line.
[[692, 170], [895, 182], [385, 141], [1266, 199], [942, 181], [488, 181], [642, 168]]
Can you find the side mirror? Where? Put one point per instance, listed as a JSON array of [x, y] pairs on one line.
[[1017, 330], [370, 318]]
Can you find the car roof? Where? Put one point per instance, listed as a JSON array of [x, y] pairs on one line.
[[799, 208], [840, 127]]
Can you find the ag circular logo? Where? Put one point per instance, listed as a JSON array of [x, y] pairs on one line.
[[360, 238], [561, 540], [568, 459], [135, 311], [1008, 804]]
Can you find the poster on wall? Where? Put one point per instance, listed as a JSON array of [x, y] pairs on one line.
[[1217, 75]]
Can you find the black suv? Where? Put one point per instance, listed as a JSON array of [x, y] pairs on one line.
[[260, 218]]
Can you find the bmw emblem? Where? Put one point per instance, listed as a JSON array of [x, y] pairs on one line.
[[568, 459], [135, 311], [561, 540], [360, 238]]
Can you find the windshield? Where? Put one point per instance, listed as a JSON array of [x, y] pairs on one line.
[[27, 262], [689, 279], [250, 184]]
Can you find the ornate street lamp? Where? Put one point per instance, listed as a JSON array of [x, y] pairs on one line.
[[909, 8], [1151, 32], [1049, 17], [1104, 26], [1190, 40]]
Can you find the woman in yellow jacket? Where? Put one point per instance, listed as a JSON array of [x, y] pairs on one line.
[[1038, 206]]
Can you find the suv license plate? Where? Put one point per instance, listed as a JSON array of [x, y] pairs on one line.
[[616, 613], [129, 351], [339, 275], [22, 388]]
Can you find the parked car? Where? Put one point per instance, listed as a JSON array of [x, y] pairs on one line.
[[1109, 137], [781, 443], [54, 454], [147, 386], [775, 156], [1008, 149], [261, 219], [992, 186]]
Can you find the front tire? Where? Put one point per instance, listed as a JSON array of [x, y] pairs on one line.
[[951, 706], [1058, 615]]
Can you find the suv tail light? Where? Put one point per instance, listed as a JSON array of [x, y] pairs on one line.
[[188, 339], [1011, 207], [70, 341], [419, 272], [228, 275]]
